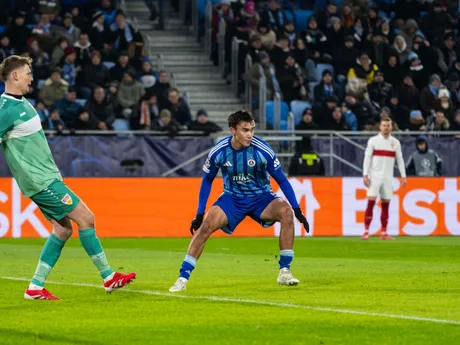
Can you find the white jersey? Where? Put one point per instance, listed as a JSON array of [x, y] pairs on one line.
[[379, 159]]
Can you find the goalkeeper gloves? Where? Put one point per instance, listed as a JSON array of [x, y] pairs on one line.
[[196, 223], [301, 218]]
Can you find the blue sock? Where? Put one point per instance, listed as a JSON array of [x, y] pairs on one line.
[[286, 257], [188, 265]]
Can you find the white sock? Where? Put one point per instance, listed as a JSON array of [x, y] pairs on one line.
[[34, 287], [106, 279]]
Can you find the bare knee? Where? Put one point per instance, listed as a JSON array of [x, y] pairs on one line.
[[86, 220], [63, 229], [286, 216], [206, 228]]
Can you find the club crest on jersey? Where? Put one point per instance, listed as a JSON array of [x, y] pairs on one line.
[[251, 162], [67, 199]]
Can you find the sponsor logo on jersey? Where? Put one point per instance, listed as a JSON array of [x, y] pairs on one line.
[[242, 177], [67, 199], [251, 162]]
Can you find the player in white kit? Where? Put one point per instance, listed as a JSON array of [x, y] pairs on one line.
[[378, 169]]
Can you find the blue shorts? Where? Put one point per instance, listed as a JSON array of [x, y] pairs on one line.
[[236, 209]]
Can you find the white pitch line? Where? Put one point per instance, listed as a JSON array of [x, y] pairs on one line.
[[256, 302]]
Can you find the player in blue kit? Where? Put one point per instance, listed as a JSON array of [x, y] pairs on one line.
[[244, 160]]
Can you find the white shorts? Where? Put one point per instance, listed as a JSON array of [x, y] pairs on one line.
[[382, 188]]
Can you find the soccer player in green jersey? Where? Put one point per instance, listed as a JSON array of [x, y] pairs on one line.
[[32, 165]]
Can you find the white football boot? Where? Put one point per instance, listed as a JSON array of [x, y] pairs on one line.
[[285, 277], [179, 285]]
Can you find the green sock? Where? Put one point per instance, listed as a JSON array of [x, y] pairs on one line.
[[48, 258], [93, 247]]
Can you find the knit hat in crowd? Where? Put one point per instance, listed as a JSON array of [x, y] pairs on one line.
[[263, 55], [435, 77], [97, 15], [202, 112], [69, 51], [443, 93]]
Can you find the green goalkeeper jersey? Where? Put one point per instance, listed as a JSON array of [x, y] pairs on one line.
[[25, 146]]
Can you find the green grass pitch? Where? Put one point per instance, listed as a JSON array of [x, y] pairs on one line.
[[352, 292]]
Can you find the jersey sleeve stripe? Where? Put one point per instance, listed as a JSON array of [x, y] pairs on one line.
[[263, 149], [384, 153], [264, 145], [216, 148]]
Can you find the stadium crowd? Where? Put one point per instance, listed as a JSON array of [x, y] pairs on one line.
[[91, 68], [354, 61]]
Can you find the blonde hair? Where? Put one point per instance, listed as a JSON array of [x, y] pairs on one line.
[[12, 63]]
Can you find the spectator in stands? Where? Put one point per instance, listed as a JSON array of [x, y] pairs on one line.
[[80, 20], [324, 16], [202, 123], [42, 111], [301, 53], [372, 20], [267, 35], [41, 61], [337, 121], [322, 112], [427, 54], [68, 108], [350, 118], [68, 30], [112, 97], [95, 74], [69, 69], [316, 41], [122, 67], [435, 23], [437, 122], [221, 10], [430, 93], [148, 77], [409, 94], [137, 52], [424, 162], [348, 17], [409, 33], [274, 15], [455, 125], [161, 88], [43, 31], [362, 109], [149, 110], [58, 52], [417, 71], [291, 80], [379, 90], [289, 31], [166, 123], [346, 57], [378, 48], [400, 48], [255, 47], [263, 67], [246, 21], [98, 34], [101, 109], [109, 12], [6, 48], [386, 30], [83, 49], [122, 33], [455, 69], [178, 107], [54, 121], [307, 123], [50, 7], [359, 35], [393, 70], [54, 89], [279, 51], [305, 162], [400, 113], [85, 121], [335, 35], [444, 103], [416, 120], [453, 85], [446, 53], [325, 88], [364, 68], [129, 94], [19, 33]]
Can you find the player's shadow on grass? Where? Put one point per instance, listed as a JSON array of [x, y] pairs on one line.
[[34, 336]]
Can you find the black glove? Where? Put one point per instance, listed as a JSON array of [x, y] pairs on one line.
[[301, 218], [196, 223]]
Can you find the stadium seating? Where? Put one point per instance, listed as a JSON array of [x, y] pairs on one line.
[[297, 108], [270, 114]]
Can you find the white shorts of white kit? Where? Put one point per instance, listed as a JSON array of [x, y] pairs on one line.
[[380, 187]]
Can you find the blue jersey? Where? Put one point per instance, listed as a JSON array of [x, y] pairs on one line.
[[245, 171]]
